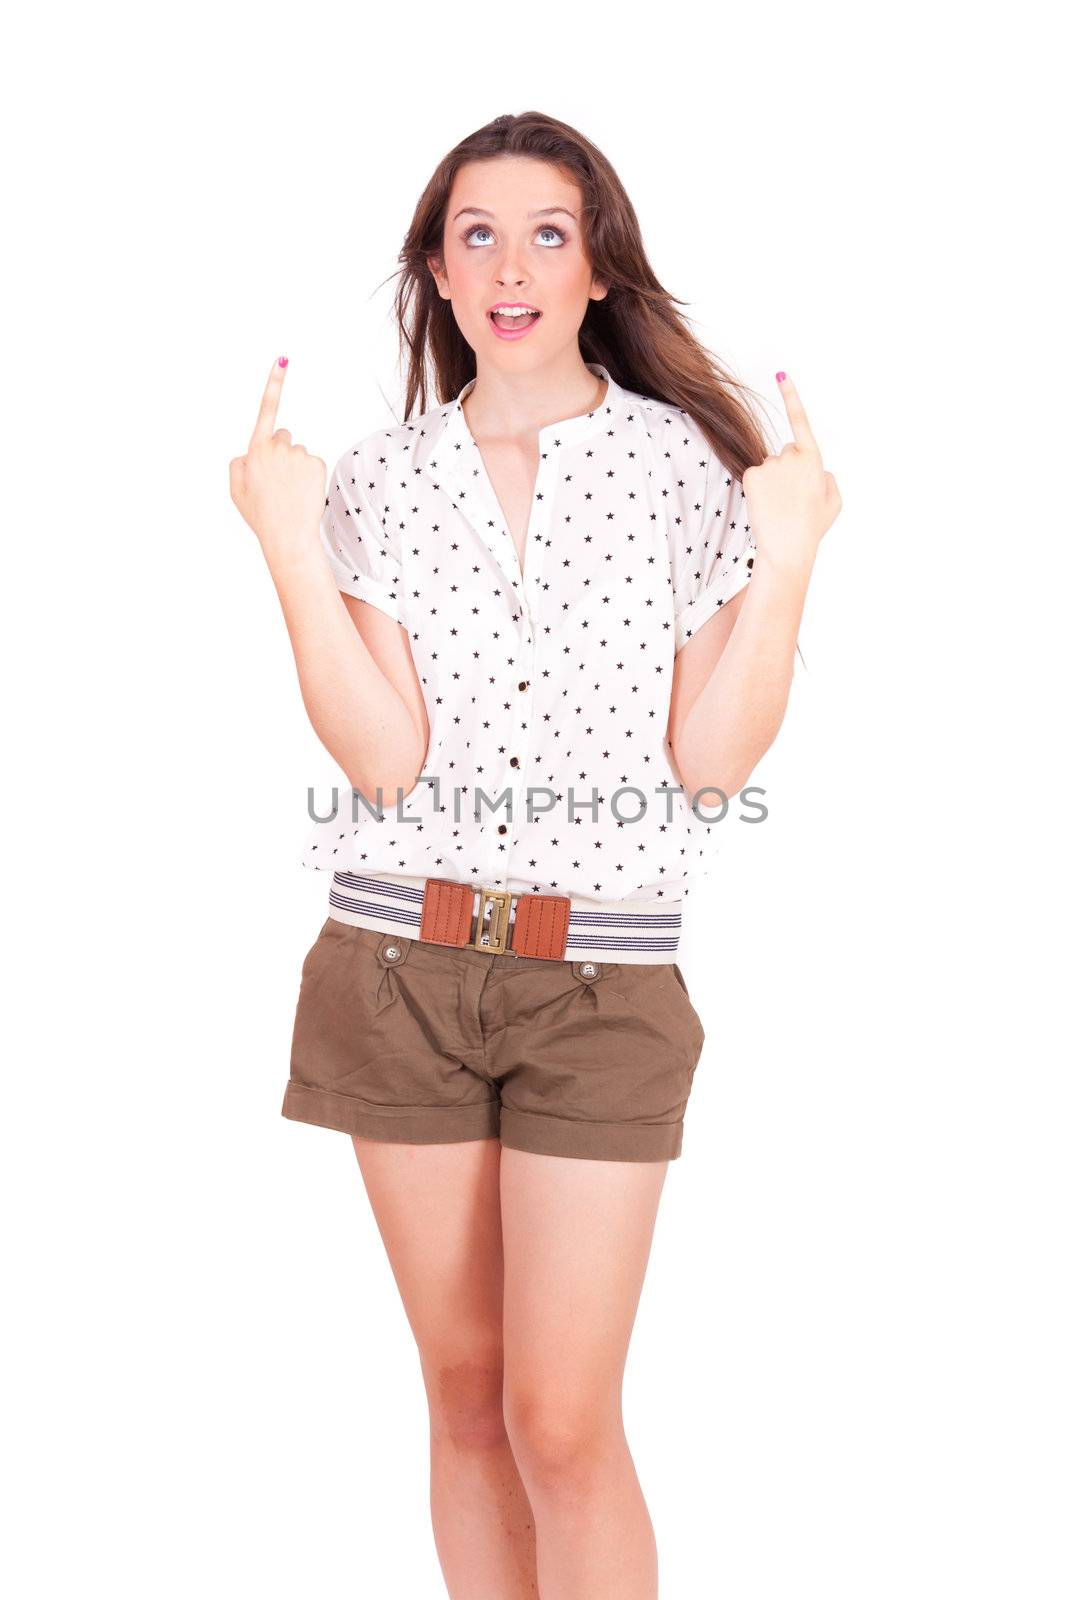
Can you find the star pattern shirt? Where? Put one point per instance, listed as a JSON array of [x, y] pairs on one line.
[[550, 686]]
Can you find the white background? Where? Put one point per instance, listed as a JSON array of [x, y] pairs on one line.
[[847, 1373]]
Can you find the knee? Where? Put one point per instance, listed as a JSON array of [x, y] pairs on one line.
[[555, 1438], [466, 1400]]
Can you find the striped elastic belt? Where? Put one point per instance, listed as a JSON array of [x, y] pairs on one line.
[[498, 922]]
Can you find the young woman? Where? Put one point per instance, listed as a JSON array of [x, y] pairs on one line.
[[530, 625]]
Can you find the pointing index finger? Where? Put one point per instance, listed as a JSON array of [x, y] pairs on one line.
[[268, 406], [798, 418]]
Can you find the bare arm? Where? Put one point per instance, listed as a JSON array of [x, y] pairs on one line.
[[732, 679], [364, 712], [357, 676]]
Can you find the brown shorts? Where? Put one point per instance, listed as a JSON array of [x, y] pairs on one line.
[[422, 1043]]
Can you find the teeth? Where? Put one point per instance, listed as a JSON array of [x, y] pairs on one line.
[[514, 311]]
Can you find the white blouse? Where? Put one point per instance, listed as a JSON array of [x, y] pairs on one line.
[[551, 686]]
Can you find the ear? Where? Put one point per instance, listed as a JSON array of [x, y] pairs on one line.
[[599, 291], [436, 266]]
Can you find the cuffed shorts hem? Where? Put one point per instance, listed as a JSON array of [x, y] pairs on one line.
[[597, 1141], [397, 1124], [537, 1132]]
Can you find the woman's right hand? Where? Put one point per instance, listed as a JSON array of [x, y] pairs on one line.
[[278, 488]]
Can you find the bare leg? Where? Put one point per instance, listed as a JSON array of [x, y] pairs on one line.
[[438, 1211], [577, 1237]]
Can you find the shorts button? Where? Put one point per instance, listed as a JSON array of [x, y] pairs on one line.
[[391, 952], [589, 969]]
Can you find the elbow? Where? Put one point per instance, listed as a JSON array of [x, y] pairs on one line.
[[389, 783], [383, 789], [714, 789], [720, 780], [391, 778]]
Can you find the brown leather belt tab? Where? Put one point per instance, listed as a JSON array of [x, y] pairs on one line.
[[447, 912], [540, 927], [541, 922]]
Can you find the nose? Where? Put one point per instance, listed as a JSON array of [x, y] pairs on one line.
[[512, 268]]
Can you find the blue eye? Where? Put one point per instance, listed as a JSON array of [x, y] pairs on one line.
[[549, 227]]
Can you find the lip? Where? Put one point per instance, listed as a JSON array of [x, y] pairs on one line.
[[517, 333]]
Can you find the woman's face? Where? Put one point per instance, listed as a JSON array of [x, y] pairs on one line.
[[513, 235]]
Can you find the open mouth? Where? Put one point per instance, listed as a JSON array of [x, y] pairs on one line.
[[513, 320]]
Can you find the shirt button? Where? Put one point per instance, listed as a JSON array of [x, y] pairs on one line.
[[524, 685], [391, 952], [589, 969], [514, 761], [502, 828]]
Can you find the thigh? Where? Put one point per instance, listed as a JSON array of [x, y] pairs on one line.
[[577, 1236], [437, 1207]]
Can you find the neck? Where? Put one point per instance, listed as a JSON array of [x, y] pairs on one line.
[[516, 405]]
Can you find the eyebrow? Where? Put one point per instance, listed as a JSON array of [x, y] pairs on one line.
[[548, 211]]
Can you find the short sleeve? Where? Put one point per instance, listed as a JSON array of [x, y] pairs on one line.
[[364, 559], [713, 555]]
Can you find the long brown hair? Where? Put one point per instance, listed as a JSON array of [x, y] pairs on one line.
[[636, 332]]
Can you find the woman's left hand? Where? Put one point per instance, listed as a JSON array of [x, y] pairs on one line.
[[791, 498]]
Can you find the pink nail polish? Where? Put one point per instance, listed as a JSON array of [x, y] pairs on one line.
[[780, 376], [283, 361]]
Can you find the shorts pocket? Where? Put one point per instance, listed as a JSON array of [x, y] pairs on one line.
[[696, 1026]]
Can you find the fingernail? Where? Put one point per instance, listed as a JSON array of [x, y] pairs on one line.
[[780, 376], [283, 361]]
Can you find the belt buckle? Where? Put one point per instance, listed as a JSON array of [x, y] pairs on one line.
[[494, 941]]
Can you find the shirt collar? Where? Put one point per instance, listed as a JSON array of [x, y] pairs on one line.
[[457, 443]]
